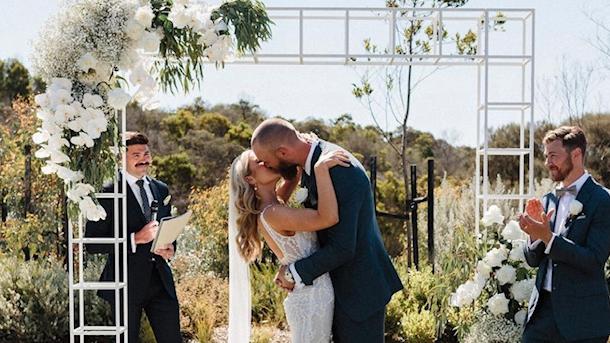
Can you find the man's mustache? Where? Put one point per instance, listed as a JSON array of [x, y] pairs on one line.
[[143, 164]]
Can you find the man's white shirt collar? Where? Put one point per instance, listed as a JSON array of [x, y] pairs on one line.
[[131, 180], [307, 168]]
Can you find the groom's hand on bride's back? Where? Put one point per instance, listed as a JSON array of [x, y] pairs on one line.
[[281, 280]]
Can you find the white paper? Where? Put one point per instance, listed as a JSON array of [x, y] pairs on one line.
[[169, 229]]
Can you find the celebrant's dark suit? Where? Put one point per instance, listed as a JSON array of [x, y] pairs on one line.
[[352, 251], [149, 277], [578, 307]]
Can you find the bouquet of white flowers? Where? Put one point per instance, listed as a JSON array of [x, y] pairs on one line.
[[502, 281]]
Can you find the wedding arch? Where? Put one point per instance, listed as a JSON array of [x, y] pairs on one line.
[[98, 55]]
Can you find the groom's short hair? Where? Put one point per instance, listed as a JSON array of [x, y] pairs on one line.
[[571, 137], [135, 138], [274, 132]]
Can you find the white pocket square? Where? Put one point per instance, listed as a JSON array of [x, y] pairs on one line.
[[167, 200]]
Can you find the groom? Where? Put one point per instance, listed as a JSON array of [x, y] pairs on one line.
[[570, 247], [352, 251]]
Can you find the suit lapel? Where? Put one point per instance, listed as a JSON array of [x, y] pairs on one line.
[[155, 190], [583, 196], [312, 190]]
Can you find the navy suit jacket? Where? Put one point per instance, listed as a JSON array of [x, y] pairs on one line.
[[139, 265], [580, 298], [352, 251]]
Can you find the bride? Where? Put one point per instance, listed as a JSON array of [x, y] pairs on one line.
[[258, 208]]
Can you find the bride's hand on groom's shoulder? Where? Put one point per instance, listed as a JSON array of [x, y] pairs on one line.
[[332, 159]]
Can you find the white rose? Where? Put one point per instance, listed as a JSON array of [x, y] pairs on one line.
[[465, 294], [522, 290], [42, 100], [179, 17], [495, 257], [92, 100], [492, 215], [208, 38], [144, 16], [498, 304], [60, 83], [575, 207], [134, 30], [60, 97], [516, 253], [118, 98], [150, 42], [506, 274], [87, 62], [520, 316], [483, 269], [301, 195], [512, 231]]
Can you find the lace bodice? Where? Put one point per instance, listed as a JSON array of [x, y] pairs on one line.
[[294, 248]]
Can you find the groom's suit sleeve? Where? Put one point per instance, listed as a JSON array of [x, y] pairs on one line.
[[341, 240]]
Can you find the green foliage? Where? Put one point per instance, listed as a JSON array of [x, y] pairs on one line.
[[14, 80], [182, 54], [179, 124], [33, 301], [240, 134], [214, 123], [267, 297]]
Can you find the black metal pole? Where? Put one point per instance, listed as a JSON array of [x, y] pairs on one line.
[[431, 212], [413, 208]]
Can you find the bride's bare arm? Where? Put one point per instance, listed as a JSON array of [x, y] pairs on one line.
[[327, 214]]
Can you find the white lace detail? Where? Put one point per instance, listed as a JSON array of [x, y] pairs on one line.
[[309, 309]]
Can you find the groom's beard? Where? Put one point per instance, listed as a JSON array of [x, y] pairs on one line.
[[287, 170]]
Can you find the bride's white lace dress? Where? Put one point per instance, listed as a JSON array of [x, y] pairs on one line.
[[309, 309]]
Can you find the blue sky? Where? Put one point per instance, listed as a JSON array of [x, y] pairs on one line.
[[444, 103]]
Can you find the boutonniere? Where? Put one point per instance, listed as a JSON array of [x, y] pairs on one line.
[[167, 200], [301, 195], [575, 210]]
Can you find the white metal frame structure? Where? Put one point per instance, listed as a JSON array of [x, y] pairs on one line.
[[78, 325], [484, 60]]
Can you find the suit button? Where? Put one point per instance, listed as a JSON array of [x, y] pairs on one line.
[[152, 259], [554, 264]]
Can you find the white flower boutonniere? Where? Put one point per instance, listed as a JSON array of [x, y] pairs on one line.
[[167, 200], [575, 208], [301, 195]]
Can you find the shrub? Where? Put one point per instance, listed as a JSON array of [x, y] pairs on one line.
[[33, 301], [204, 304]]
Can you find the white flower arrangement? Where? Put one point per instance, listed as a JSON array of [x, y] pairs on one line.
[[93, 51], [301, 195], [493, 215], [502, 281], [575, 208]]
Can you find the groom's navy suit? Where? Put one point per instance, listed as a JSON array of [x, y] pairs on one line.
[[149, 277], [352, 251], [578, 307]]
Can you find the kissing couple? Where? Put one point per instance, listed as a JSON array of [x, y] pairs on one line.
[[333, 261]]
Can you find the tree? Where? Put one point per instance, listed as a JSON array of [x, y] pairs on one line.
[[14, 80], [394, 102]]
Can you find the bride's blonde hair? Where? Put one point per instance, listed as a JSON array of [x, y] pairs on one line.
[[247, 204]]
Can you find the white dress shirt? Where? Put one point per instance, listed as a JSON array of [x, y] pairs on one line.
[[131, 181], [561, 216]]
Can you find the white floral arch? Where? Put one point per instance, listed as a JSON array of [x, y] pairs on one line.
[[98, 55]]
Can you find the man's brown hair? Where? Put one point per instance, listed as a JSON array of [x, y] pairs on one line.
[[571, 137], [135, 138]]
